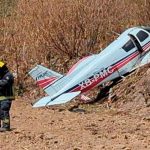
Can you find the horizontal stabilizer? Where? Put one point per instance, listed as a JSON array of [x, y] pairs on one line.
[[64, 98], [42, 102]]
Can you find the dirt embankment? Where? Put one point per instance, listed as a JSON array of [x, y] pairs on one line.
[[126, 125]]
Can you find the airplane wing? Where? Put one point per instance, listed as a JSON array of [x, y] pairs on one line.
[[47, 101]]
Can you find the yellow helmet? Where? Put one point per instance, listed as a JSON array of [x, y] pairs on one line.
[[1, 64]]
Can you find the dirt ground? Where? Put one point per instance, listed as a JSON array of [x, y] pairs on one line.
[[124, 126]]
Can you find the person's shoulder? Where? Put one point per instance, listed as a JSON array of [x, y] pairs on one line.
[[9, 74]]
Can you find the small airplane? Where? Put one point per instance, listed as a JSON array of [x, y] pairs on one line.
[[128, 52]]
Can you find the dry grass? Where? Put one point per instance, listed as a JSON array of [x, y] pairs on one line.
[[58, 32]]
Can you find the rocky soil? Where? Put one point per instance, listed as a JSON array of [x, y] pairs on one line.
[[125, 125]]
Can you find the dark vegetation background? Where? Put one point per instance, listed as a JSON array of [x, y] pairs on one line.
[[57, 33]]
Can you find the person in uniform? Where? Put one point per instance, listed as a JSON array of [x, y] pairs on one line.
[[6, 96]]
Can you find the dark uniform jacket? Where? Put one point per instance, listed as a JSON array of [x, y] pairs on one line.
[[6, 86]]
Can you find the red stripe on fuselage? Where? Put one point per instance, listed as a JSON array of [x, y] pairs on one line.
[[44, 82], [126, 60], [146, 47], [113, 69]]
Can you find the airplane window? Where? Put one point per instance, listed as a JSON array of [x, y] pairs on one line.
[[142, 35], [128, 46]]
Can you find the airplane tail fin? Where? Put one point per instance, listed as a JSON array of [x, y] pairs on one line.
[[44, 76], [64, 98]]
